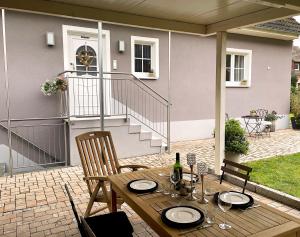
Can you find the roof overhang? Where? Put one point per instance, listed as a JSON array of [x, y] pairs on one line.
[[264, 33], [205, 17]]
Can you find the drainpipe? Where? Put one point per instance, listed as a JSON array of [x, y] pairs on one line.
[[220, 100], [7, 93], [100, 66]]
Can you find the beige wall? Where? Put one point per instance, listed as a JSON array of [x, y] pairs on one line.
[[31, 62]]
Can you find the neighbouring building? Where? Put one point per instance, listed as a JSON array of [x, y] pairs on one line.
[[39, 47]]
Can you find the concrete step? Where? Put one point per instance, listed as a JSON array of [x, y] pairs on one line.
[[134, 128], [145, 135], [156, 142]]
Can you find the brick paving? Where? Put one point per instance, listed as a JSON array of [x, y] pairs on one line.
[[34, 204]]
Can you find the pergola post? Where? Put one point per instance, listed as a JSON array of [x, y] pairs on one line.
[[220, 100]]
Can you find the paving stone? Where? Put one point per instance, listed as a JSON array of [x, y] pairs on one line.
[[35, 204]]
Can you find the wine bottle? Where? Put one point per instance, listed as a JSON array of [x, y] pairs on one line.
[[177, 169]]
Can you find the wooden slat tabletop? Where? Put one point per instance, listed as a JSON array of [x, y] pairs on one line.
[[263, 221]]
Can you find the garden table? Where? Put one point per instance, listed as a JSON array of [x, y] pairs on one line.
[[253, 124], [262, 221]]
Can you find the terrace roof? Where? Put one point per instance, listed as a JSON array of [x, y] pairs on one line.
[[203, 17]]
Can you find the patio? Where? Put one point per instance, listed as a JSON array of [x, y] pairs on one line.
[[35, 204]]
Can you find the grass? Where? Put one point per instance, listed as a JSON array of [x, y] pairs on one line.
[[281, 173]]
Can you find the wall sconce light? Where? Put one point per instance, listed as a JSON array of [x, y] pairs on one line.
[[50, 39], [121, 46]]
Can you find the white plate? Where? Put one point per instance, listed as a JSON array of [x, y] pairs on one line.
[[234, 198], [142, 184], [187, 177], [183, 215]]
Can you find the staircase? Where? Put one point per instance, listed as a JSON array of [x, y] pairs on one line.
[[137, 116], [130, 139]]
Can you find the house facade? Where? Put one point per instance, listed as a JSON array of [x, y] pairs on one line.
[[258, 69]]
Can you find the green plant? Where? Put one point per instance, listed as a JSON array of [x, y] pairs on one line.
[[52, 87], [272, 116], [295, 104], [235, 139]]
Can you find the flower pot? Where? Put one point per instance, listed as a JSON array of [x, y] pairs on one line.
[[253, 114], [295, 123], [235, 157], [273, 126]]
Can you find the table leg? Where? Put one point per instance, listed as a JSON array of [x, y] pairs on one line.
[[113, 200]]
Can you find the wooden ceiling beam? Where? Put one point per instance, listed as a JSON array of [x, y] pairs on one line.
[[289, 4], [269, 14]]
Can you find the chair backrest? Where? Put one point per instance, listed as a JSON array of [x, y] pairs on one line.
[[234, 168], [98, 155], [262, 112], [226, 117], [75, 212]]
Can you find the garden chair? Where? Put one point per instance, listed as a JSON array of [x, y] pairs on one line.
[[99, 160], [265, 126], [234, 168], [102, 225]]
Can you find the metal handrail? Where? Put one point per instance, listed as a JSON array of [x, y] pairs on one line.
[[140, 86], [117, 73]]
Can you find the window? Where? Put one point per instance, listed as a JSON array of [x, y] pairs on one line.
[[86, 61], [297, 66], [238, 67], [145, 57]]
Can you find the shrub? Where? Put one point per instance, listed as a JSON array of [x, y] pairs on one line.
[[295, 104], [235, 139], [272, 116]]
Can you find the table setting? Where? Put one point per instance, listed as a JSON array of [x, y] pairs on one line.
[[192, 202]]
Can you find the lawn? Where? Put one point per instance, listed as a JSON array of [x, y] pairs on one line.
[[281, 173]]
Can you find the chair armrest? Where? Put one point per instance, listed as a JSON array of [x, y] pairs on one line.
[[99, 178], [134, 167]]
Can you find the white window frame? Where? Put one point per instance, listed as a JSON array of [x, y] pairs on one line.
[[297, 66], [248, 67], [154, 42]]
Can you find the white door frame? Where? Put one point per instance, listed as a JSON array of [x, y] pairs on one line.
[[68, 30]]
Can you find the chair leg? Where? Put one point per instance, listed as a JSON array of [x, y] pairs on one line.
[[92, 200]]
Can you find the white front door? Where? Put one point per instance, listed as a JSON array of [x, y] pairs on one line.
[[81, 55]]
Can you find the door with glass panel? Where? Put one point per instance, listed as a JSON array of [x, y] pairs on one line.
[[84, 85]]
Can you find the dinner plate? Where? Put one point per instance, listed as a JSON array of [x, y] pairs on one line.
[[142, 186], [239, 200], [182, 216], [234, 198], [187, 177]]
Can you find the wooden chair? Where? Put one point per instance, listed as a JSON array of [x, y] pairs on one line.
[[233, 168], [99, 160], [102, 225]]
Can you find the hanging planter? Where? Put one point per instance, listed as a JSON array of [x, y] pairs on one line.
[[50, 88]]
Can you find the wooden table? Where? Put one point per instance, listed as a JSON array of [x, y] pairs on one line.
[[262, 221]]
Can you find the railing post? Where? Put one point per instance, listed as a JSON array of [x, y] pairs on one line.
[[66, 145], [7, 93], [168, 128], [100, 65], [126, 102]]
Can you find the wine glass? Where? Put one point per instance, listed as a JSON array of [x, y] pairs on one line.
[[174, 178], [224, 203], [162, 164]]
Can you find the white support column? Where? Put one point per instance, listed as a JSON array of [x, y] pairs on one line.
[[169, 97], [7, 93], [100, 66], [220, 100]]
